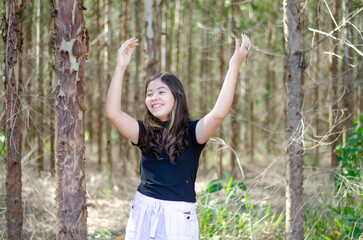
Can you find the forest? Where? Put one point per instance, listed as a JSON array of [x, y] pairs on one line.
[[287, 162]]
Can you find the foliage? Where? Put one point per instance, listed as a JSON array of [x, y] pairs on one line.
[[225, 212], [349, 174], [348, 184], [2, 145], [103, 235], [340, 220]]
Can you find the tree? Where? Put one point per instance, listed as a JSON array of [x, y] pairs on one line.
[[39, 73], [100, 94], [70, 48], [13, 62], [333, 87], [293, 130], [347, 69], [315, 75], [152, 35], [220, 80]]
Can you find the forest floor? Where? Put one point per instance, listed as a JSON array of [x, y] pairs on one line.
[[108, 202]]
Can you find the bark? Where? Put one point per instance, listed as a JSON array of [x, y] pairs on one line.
[[315, 99], [234, 127], [126, 96], [190, 69], [203, 89], [137, 95], [269, 76], [152, 36], [178, 23], [170, 23], [204, 62], [70, 47], [108, 80], [252, 119], [249, 132], [359, 80], [293, 105], [220, 80], [13, 63], [100, 83], [347, 71], [51, 109], [333, 89], [27, 75], [39, 71]]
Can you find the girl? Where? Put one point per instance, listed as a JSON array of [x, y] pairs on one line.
[[164, 204]]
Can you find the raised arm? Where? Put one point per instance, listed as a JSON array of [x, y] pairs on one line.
[[207, 126], [124, 123]]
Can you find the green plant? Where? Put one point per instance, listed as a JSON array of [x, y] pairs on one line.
[[225, 212], [102, 235], [349, 174], [348, 184], [2, 145]]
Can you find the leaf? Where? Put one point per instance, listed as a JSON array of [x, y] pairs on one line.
[[229, 186], [214, 186], [325, 237]]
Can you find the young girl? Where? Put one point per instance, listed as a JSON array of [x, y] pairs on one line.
[[170, 143]]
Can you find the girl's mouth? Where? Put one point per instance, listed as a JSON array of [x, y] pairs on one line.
[[157, 105]]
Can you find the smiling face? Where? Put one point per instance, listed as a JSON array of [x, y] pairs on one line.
[[159, 99]]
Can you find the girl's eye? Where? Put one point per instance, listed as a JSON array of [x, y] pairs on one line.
[[161, 92], [149, 95]]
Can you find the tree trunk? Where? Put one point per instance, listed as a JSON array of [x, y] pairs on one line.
[[234, 127], [269, 76], [293, 105], [100, 83], [27, 76], [178, 23], [333, 88], [51, 109], [203, 89], [152, 36], [170, 23], [126, 96], [108, 80], [220, 79], [13, 52], [190, 70], [359, 81], [70, 47], [315, 97], [39, 73], [347, 71], [137, 95], [252, 119]]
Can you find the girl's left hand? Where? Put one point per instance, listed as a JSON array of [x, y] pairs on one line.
[[241, 51]]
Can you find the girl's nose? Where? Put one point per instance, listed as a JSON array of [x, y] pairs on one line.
[[154, 97]]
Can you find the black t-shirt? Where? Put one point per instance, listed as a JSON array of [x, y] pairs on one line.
[[164, 180]]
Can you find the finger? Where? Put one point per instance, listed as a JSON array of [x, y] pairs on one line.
[[243, 36], [132, 42], [129, 41], [248, 43]]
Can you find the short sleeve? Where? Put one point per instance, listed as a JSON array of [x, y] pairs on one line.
[[141, 131], [192, 133]]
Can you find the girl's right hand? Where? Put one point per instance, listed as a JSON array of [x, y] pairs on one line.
[[124, 53]]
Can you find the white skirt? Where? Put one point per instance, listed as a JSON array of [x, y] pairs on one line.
[[152, 218]]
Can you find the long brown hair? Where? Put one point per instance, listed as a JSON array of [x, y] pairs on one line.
[[167, 136]]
